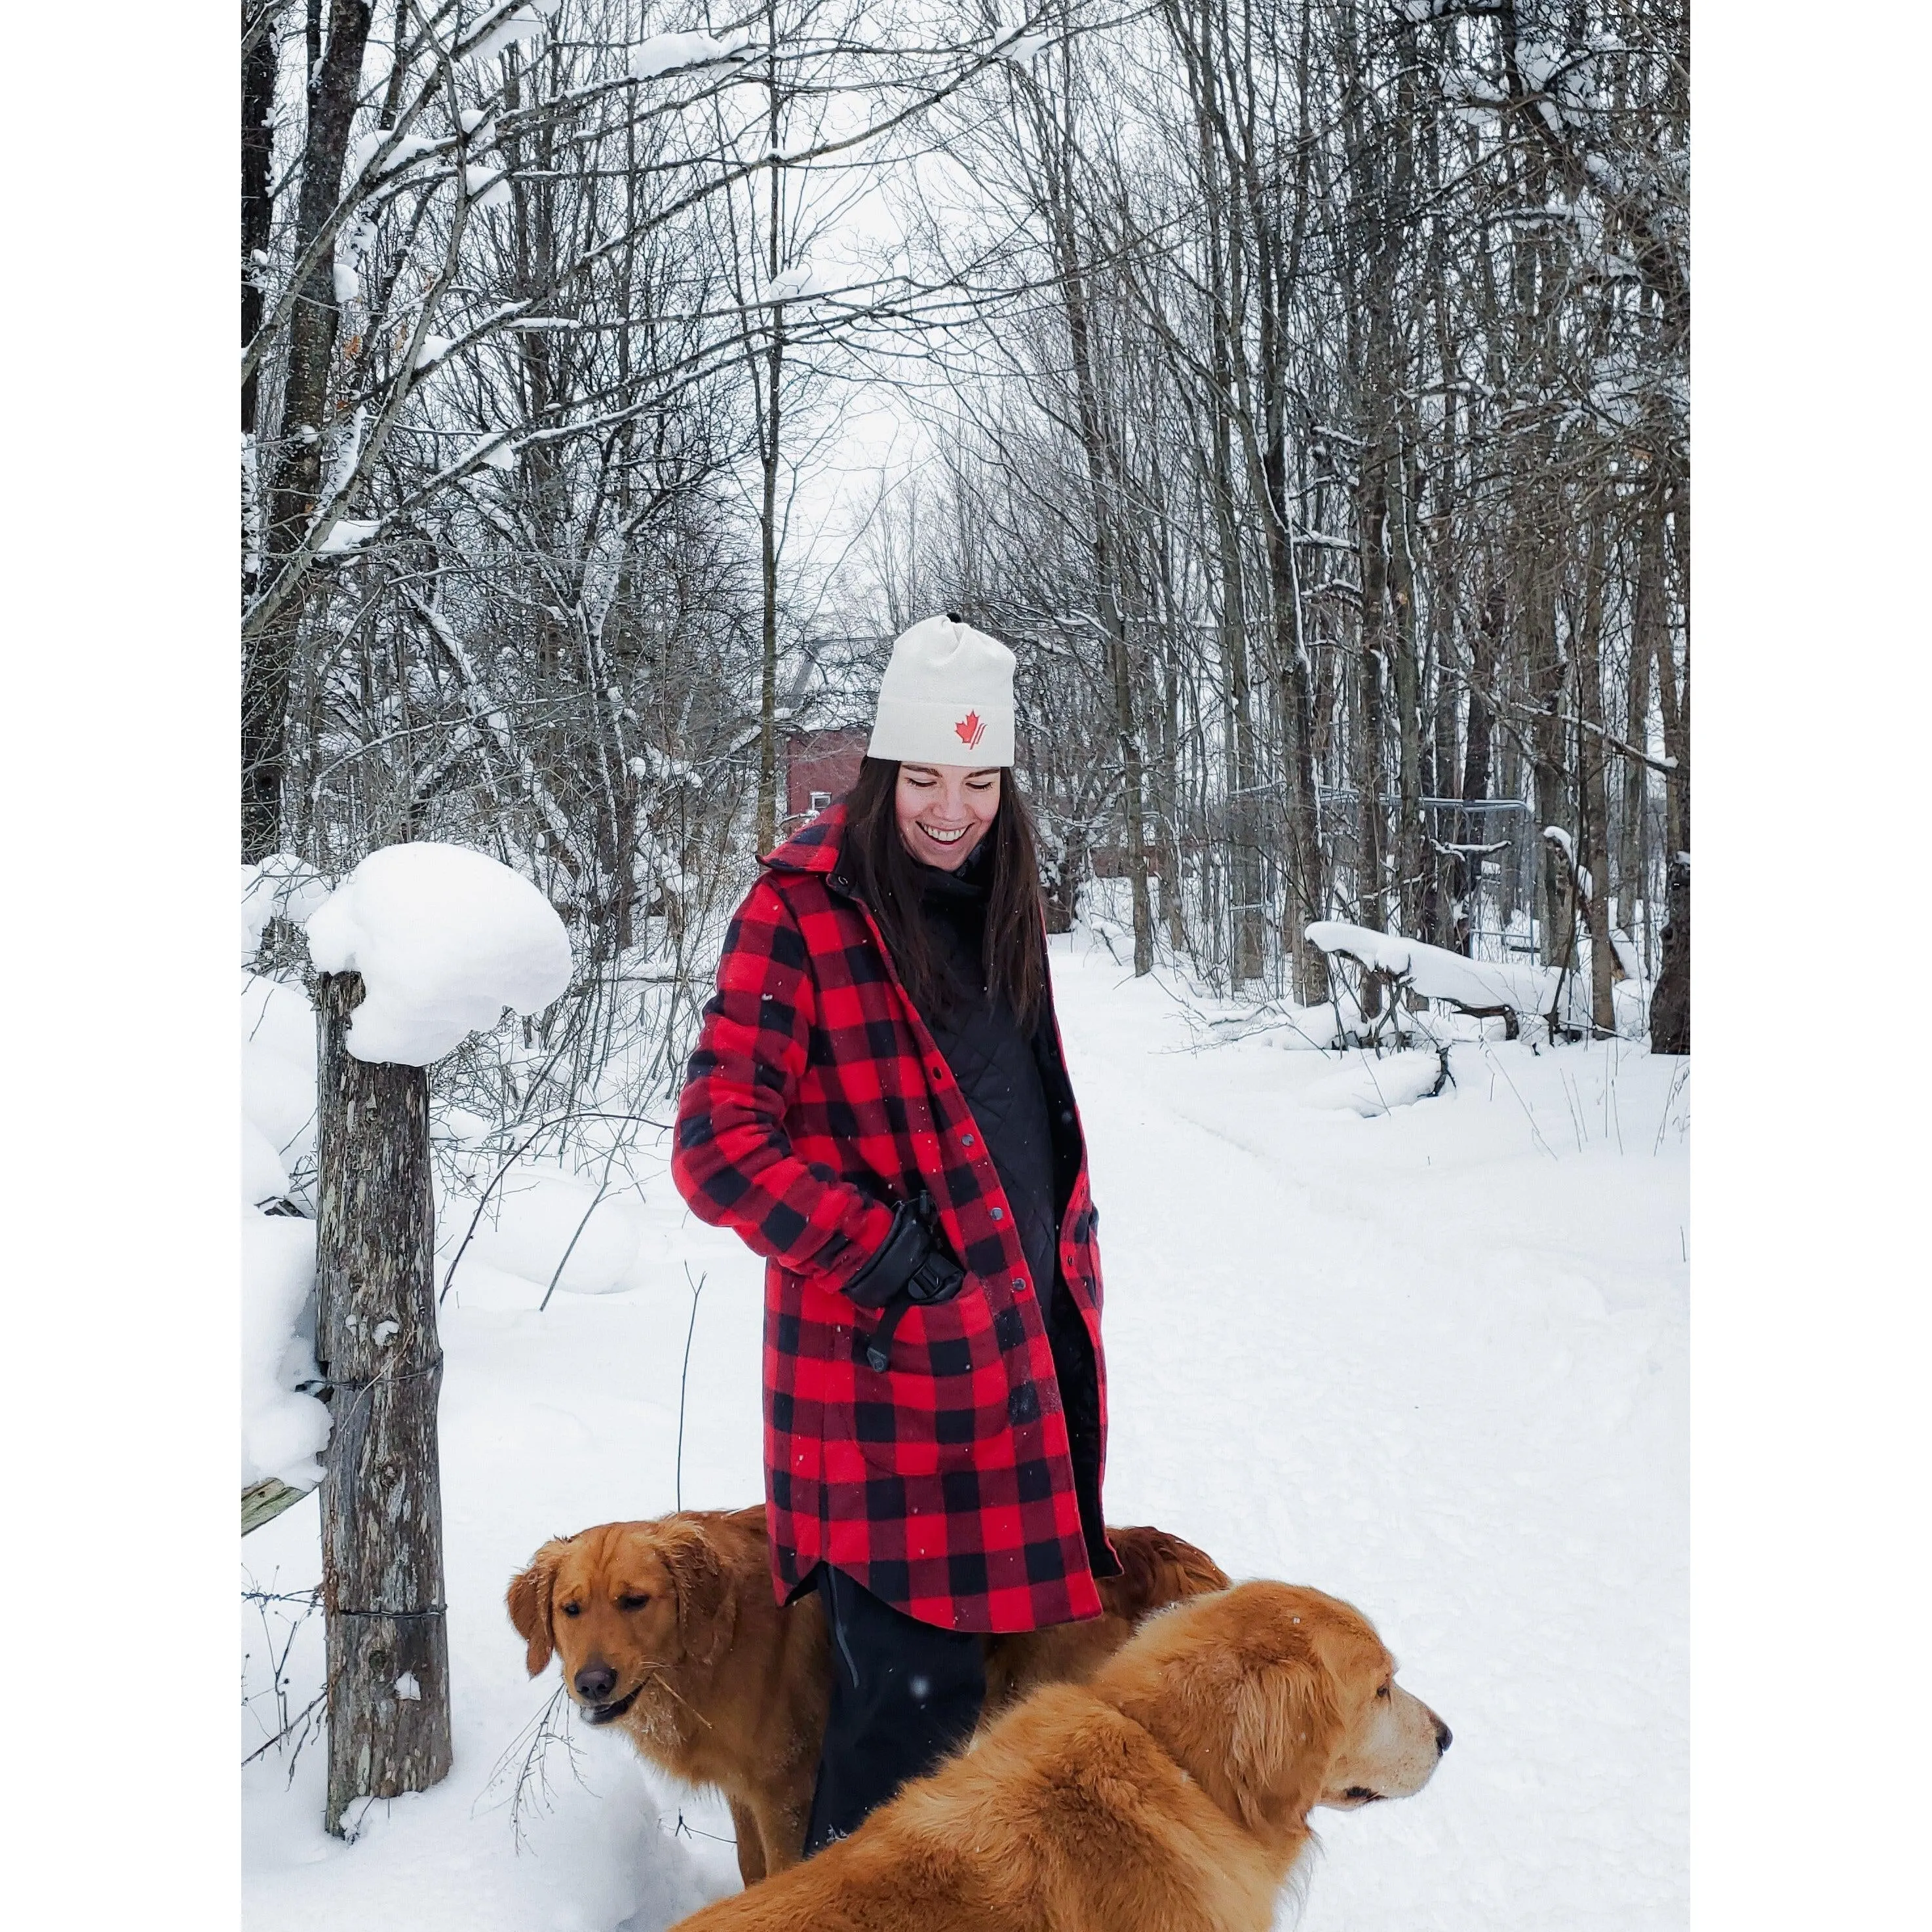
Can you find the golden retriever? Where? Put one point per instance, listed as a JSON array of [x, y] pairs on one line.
[[1169, 1793], [668, 1630]]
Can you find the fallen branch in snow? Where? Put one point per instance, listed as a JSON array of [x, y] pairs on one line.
[[530, 1790], [300, 1727], [1483, 988]]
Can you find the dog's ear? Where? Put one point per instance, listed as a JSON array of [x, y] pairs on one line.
[[1136, 1590], [1157, 1569], [704, 1592], [1286, 1726], [528, 1602]]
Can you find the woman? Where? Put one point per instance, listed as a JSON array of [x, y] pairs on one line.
[[877, 1105]]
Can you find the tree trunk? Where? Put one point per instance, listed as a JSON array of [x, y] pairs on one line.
[[1485, 646], [258, 205], [624, 877], [376, 1341], [765, 834], [1670, 1003], [268, 664], [1674, 684], [1371, 898], [1305, 893], [1135, 842], [1593, 822], [1106, 584], [1633, 880], [1167, 828], [1414, 869], [1544, 655]]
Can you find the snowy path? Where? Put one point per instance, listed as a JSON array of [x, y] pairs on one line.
[[1432, 1362]]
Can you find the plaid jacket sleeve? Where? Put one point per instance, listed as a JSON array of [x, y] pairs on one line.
[[733, 1161]]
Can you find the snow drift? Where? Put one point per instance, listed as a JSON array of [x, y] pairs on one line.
[[1369, 1086], [557, 1228], [283, 1430]]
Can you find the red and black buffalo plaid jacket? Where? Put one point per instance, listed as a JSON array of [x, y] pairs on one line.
[[948, 1483]]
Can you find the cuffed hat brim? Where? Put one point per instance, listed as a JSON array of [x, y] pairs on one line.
[[917, 731], [946, 698]]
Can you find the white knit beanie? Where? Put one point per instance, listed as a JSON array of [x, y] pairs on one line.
[[946, 697]]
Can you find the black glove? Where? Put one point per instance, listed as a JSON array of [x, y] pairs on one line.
[[938, 1278], [911, 1261]]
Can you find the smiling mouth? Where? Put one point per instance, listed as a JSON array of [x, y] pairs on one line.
[[944, 838], [609, 1714]]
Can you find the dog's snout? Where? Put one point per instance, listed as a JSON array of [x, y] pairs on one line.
[[1444, 1737], [595, 1681]]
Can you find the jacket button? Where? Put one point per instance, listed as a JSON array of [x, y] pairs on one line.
[[965, 1140], [999, 1214]]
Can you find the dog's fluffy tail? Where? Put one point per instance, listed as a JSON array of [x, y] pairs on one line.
[[1157, 1569]]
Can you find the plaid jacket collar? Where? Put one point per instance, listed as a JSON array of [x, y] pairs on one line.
[[815, 847]]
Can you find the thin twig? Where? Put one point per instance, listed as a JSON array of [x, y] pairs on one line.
[[684, 1380]]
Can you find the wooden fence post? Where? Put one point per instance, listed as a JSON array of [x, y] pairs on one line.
[[376, 1341]]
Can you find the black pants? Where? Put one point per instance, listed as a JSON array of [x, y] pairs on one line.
[[904, 1694]]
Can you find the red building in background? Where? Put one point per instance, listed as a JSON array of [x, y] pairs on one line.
[[819, 766]]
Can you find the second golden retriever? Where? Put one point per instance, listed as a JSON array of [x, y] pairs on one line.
[[1169, 1793], [668, 1630]]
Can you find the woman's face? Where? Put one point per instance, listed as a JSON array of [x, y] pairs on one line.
[[944, 810]]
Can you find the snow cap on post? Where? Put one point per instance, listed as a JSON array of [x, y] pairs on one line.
[[946, 697], [444, 938]]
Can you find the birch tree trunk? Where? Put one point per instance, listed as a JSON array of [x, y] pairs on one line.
[[376, 1341]]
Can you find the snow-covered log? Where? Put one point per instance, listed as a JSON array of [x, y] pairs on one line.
[[1481, 986]]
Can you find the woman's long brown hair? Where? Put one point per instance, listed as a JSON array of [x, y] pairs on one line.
[[885, 876]]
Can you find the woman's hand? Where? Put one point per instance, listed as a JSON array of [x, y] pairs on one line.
[[911, 1261]]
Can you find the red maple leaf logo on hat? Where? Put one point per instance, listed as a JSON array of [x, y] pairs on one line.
[[971, 729]]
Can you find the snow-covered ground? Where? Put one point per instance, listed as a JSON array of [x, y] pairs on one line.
[[1431, 1359]]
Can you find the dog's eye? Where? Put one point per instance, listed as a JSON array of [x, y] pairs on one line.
[[1383, 1692], [636, 1601], [573, 1609]]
